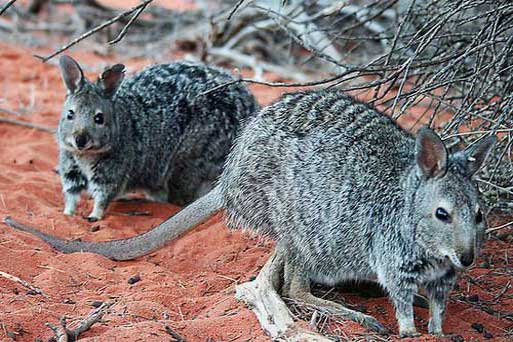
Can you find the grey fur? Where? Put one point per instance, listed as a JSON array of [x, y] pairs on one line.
[[347, 194], [158, 135]]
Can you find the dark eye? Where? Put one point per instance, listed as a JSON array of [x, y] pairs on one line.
[[443, 215], [70, 115], [98, 119], [479, 217]]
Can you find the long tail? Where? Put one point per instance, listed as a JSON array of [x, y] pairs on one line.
[[130, 248]]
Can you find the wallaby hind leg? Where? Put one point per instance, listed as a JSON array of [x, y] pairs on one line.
[[261, 294], [297, 286]]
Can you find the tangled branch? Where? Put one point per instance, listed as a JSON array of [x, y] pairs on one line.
[[447, 62]]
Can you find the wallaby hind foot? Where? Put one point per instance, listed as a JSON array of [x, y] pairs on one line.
[[262, 296], [297, 287]]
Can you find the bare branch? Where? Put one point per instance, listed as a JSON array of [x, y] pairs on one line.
[[24, 283], [27, 124], [6, 6], [130, 22], [63, 334], [235, 8], [94, 30]]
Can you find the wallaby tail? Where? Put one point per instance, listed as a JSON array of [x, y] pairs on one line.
[[130, 248]]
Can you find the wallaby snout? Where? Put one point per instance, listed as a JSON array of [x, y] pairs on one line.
[[467, 257], [81, 140]]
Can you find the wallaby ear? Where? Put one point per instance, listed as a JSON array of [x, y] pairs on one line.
[[476, 155], [72, 74], [430, 153], [111, 79]]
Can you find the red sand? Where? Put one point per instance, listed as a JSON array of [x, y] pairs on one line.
[[188, 284]]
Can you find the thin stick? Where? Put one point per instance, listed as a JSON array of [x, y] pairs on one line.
[[235, 8], [92, 318], [176, 336], [132, 213], [63, 334], [8, 111], [6, 6], [274, 84], [27, 124], [489, 230], [93, 31], [130, 22], [60, 331], [23, 283]]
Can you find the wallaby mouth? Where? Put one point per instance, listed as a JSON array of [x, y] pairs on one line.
[[455, 260], [84, 148]]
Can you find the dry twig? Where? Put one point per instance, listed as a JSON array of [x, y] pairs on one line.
[[24, 283], [63, 334], [6, 6], [27, 124], [123, 32], [96, 29]]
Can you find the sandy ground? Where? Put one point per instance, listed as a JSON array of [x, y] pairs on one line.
[[187, 285]]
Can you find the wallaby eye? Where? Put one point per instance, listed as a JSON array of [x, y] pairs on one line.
[[98, 119], [479, 217], [70, 115], [443, 215]]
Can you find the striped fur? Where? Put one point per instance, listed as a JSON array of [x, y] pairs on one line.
[[160, 135], [338, 185]]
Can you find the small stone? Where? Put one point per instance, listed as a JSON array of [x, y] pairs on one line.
[[487, 335], [485, 264], [252, 278], [457, 338], [96, 303], [95, 228], [473, 298], [478, 327], [69, 301], [15, 291], [134, 279]]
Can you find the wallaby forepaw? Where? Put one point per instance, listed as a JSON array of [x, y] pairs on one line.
[[69, 212], [409, 333], [95, 215], [435, 327], [436, 332], [92, 218]]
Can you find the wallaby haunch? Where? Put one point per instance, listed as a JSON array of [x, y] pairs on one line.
[[153, 132], [347, 194]]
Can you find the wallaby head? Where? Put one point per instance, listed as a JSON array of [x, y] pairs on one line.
[[447, 211], [88, 123]]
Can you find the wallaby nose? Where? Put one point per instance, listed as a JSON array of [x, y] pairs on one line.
[[81, 140], [467, 258]]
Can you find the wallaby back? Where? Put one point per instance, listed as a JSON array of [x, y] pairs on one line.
[[336, 181]]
